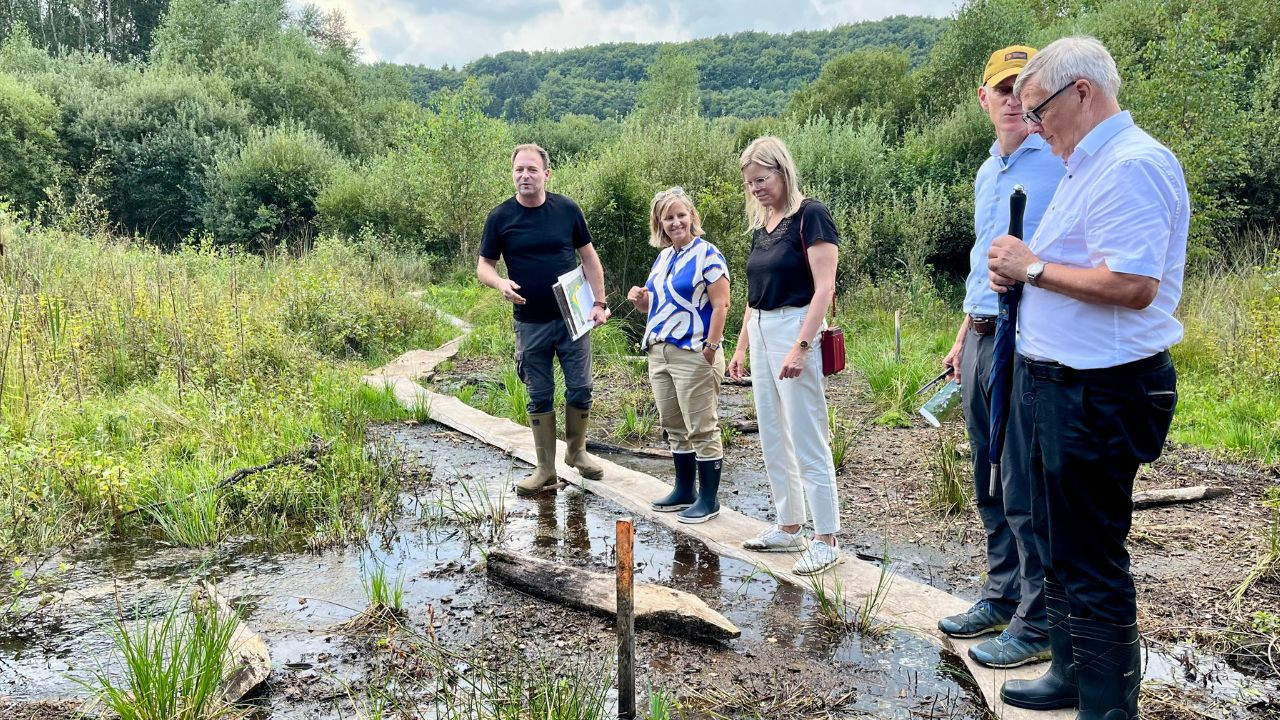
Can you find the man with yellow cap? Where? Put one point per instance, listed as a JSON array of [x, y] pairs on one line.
[[1012, 601]]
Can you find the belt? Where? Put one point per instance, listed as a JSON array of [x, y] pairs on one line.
[[1057, 372], [983, 324]]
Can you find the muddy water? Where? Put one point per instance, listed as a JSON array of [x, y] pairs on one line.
[[294, 598]]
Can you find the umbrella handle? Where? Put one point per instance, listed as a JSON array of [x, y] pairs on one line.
[[1017, 210]]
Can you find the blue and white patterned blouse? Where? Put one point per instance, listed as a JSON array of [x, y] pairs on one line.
[[679, 306]]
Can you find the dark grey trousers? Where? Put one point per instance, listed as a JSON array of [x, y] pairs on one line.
[[1015, 575], [536, 345]]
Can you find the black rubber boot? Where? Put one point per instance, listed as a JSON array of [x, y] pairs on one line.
[[707, 506], [686, 476], [1109, 669], [1057, 687]]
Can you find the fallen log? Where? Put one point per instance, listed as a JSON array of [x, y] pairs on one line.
[[602, 446], [745, 426], [1170, 496], [246, 663], [657, 608]]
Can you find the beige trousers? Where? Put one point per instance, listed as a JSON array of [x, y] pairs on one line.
[[687, 392]]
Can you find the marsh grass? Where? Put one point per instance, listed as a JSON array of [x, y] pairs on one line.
[[1267, 564], [481, 513], [866, 619], [128, 376], [841, 439], [636, 423], [518, 689], [384, 593], [836, 613], [948, 478], [1229, 359], [171, 667]]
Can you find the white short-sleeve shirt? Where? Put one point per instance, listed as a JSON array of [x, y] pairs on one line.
[[1123, 202]]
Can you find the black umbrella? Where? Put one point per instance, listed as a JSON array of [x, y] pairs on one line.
[[1000, 382]]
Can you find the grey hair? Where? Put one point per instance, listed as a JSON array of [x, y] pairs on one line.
[[1068, 59]]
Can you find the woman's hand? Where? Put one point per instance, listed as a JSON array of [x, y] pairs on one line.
[[738, 365], [639, 297], [709, 354], [793, 364]]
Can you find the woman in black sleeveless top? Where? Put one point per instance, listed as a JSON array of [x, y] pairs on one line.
[[790, 282]]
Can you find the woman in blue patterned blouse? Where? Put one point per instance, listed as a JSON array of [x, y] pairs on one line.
[[686, 298]]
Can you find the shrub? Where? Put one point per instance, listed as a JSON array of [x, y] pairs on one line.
[[265, 192], [30, 151], [158, 135]]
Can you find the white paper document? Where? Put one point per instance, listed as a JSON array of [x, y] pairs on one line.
[[573, 294]]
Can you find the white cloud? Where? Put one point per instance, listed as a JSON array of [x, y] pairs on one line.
[[454, 32], [575, 23]]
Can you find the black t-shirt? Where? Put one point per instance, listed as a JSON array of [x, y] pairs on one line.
[[539, 245], [777, 274]]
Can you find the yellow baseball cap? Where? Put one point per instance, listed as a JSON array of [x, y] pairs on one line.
[[1006, 62]]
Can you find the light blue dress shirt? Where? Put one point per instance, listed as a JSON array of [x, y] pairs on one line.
[[1035, 168], [1124, 202]]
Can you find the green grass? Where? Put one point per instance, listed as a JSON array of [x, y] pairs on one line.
[[949, 478], [636, 423], [384, 593], [928, 329], [1229, 361], [841, 439], [171, 667], [129, 377]]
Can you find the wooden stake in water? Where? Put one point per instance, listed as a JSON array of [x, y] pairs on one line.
[[897, 336], [626, 621]]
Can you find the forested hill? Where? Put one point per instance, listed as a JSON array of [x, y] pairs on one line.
[[747, 74]]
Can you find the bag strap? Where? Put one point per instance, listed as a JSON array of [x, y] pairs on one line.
[[804, 249]]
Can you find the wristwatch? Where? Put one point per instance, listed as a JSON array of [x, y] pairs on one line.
[[711, 345], [601, 304], [1034, 271], [805, 345]]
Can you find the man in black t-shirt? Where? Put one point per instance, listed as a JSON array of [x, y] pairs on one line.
[[536, 233]]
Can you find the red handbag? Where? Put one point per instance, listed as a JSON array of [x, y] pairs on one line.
[[831, 341]]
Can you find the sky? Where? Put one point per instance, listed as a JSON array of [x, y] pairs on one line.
[[455, 32]]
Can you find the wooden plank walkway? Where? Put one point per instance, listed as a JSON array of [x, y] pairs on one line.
[[908, 604]]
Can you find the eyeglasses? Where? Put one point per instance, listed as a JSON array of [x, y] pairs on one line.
[[1032, 116], [676, 191], [760, 181]]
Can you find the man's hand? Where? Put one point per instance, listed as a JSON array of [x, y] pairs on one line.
[[952, 360], [1007, 262], [599, 315], [509, 289]]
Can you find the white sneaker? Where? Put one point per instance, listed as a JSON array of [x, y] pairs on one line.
[[777, 540], [818, 557]]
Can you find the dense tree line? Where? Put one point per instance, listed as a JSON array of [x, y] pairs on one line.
[[119, 29], [747, 74], [256, 127]]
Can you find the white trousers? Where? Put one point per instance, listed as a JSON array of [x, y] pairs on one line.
[[794, 430]]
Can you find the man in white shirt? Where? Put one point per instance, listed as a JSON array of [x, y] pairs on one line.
[[1104, 276], [1012, 597]]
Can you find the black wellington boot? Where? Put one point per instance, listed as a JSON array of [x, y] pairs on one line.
[[707, 506], [1057, 687], [1108, 668], [686, 476]]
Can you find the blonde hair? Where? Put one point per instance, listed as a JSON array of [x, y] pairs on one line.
[[533, 147], [772, 153], [662, 202]]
